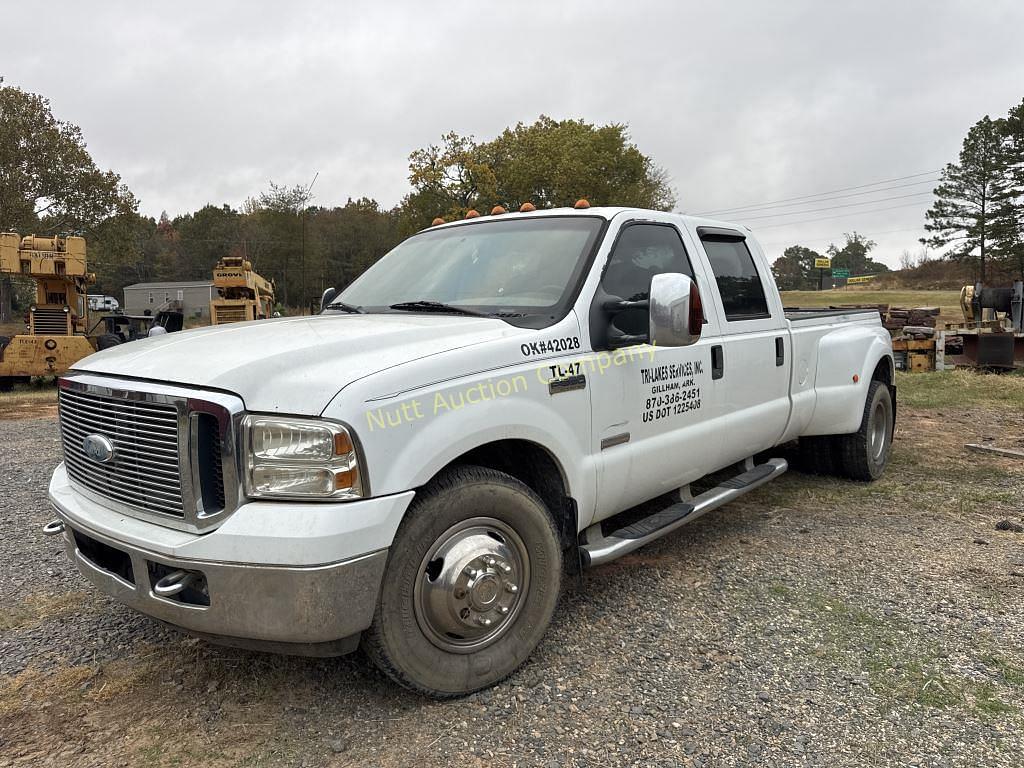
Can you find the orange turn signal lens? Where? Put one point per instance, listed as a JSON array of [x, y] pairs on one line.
[[581, 203], [342, 444], [348, 478], [437, 221], [527, 208], [498, 210], [472, 214]]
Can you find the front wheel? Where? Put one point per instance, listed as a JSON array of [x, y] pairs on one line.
[[864, 454], [471, 583]]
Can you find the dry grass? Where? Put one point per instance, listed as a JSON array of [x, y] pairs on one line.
[[138, 711], [29, 402], [36, 608], [948, 302]]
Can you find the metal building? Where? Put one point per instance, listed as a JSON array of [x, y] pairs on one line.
[[192, 297]]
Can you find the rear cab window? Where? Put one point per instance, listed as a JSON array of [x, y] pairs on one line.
[[739, 284]]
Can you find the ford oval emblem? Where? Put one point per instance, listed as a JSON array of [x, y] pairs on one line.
[[98, 448]]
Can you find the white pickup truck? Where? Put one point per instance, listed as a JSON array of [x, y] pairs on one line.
[[482, 411]]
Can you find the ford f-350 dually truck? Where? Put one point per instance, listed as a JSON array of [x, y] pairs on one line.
[[416, 468]]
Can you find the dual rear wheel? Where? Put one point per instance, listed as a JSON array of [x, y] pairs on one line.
[[861, 455]]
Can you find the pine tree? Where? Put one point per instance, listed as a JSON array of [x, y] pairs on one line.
[[962, 215], [1008, 201]]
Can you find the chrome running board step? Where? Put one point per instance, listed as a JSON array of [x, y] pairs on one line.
[[600, 548]]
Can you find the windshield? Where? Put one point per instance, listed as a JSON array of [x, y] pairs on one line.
[[517, 267]]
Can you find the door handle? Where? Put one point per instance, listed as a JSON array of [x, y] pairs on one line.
[[717, 362], [780, 351]]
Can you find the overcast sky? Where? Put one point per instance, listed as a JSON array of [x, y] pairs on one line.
[[740, 102]]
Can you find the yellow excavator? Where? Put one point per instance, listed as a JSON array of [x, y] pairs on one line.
[[242, 294], [55, 338]]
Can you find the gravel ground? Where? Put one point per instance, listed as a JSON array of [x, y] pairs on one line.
[[815, 623]]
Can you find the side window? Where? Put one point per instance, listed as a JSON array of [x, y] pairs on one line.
[[641, 252], [738, 282]]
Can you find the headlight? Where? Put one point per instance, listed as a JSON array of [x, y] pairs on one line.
[[300, 458]]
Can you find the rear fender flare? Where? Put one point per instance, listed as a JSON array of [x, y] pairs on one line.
[[847, 358]]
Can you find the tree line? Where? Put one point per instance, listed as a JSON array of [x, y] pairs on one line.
[[50, 185], [794, 270]]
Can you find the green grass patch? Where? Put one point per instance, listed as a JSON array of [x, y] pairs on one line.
[[959, 389], [914, 681], [1010, 673], [779, 590], [903, 667]]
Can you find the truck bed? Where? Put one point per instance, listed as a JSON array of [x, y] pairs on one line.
[[796, 314]]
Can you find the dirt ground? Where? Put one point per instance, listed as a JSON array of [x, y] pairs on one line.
[[814, 622]]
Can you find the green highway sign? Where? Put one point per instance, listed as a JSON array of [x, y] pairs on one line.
[[840, 273]]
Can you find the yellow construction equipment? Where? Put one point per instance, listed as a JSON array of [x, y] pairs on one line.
[[57, 321], [242, 294]]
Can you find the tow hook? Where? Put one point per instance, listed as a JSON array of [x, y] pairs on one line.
[[54, 528], [173, 583]]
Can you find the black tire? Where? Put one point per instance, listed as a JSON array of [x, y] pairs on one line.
[[478, 505], [108, 340], [6, 383], [818, 455], [864, 454]]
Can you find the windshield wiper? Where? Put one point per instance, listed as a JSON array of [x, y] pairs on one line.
[[433, 306], [346, 307]]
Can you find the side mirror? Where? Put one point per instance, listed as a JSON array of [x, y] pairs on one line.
[[676, 312], [327, 297]]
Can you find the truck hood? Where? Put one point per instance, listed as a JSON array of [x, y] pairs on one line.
[[293, 364]]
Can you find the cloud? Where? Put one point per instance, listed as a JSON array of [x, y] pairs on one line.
[[740, 102]]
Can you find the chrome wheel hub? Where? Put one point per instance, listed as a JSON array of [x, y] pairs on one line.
[[471, 584], [878, 431]]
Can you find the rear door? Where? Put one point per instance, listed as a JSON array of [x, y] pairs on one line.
[[750, 361]]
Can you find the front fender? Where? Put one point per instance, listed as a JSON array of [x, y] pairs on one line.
[[847, 358], [407, 440]]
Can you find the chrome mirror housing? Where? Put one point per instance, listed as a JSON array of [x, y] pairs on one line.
[[676, 312], [327, 297]]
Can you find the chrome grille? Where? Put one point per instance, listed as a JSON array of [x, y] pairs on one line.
[[175, 455], [53, 322], [145, 471]]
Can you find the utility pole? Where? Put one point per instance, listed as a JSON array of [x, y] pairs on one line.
[[305, 201]]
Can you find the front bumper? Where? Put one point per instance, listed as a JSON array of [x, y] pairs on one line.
[[254, 593]]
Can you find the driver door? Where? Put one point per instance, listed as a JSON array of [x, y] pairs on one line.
[[653, 429]]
